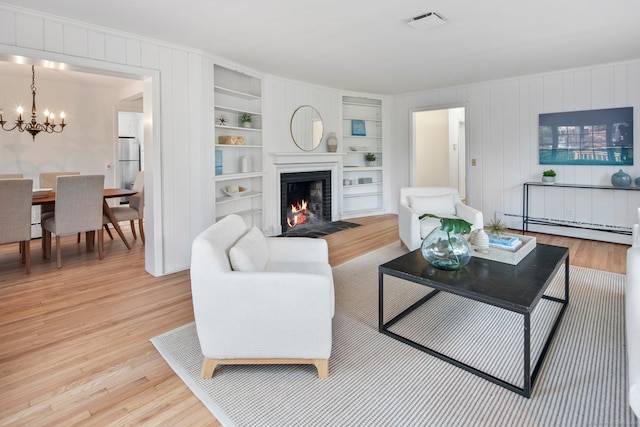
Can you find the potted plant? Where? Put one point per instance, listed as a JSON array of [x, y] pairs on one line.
[[549, 176], [245, 120], [445, 247], [370, 158]]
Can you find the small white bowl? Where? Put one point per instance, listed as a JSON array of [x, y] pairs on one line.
[[240, 192]]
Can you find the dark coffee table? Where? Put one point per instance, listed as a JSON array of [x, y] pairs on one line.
[[516, 288]]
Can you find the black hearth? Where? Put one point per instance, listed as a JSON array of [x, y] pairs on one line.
[[305, 198]]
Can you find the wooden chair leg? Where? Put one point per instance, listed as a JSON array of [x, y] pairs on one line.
[[106, 227], [26, 254], [141, 229], [58, 252], [46, 253], [133, 229], [208, 366], [100, 244], [79, 238]]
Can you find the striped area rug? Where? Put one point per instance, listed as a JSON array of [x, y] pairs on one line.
[[375, 380]]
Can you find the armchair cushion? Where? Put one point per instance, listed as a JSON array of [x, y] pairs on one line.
[[250, 253], [437, 205]]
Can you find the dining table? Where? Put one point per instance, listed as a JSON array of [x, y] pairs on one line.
[[109, 193]]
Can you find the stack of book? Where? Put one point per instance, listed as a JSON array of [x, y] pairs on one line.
[[508, 242]]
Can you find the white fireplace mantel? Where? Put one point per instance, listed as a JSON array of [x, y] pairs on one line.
[[298, 158]]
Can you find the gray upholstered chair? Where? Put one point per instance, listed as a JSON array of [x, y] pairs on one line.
[[15, 215], [48, 180], [78, 209], [11, 176], [135, 210]]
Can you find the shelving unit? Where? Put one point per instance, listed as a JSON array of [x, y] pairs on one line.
[[358, 195], [236, 93]]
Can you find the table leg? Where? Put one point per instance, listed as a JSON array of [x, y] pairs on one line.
[[109, 213]]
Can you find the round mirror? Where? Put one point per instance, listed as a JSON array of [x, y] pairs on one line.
[[307, 128]]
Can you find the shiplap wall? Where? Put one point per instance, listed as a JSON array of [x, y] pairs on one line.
[[175, 130], [503, 137]]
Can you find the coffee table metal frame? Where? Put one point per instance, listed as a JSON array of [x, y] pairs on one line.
[[529, 265]]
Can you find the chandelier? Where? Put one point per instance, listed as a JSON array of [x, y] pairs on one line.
[[32, 126]]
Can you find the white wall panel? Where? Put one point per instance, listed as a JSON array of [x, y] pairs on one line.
[[133, 52], [53, 37], [96, 45], [8, 29], [115, 49], [76, 41], [29, 31]]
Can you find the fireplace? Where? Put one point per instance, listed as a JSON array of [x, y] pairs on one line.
[[305, 198]]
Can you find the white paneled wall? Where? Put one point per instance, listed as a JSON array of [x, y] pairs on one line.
[[175, 129], [503, 126]]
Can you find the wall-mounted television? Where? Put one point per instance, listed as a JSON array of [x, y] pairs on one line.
[[592, 137]]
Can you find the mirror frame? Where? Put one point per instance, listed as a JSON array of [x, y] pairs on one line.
[[303, 144]]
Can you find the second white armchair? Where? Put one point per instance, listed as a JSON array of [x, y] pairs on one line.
[[440, 201]]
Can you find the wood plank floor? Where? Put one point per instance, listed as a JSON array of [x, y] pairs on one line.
[[75, 344]]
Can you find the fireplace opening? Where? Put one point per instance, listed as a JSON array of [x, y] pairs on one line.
[[305, 199]]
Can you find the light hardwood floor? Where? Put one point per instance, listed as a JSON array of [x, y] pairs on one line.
[[75, 344]]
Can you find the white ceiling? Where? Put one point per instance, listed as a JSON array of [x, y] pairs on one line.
[[366, 45]]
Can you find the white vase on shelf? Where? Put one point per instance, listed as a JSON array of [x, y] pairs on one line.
[[332, 142]]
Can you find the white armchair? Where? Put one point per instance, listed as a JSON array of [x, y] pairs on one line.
[[632, 320], [440, 201], [261, 300]]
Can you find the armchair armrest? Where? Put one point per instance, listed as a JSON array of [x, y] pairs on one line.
[[471, 215], [408, 227], [302, 249]]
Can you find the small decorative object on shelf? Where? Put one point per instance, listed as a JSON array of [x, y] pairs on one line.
[[245, 120], [234, 190], [332, 142], [637, 181], [620, 179], [370, 158], [445, 247], [358, 128], [218, 162], [244, 164], [549, 176], [231, 140], [223, 120]]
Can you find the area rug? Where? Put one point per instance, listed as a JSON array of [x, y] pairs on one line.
[[319, 230], [375, 380]]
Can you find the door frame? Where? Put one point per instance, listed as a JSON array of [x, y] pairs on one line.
[[412, 137]]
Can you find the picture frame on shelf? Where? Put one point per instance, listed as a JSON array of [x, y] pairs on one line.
[[358, 128]]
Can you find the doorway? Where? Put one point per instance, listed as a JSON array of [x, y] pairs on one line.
[[438, 153]]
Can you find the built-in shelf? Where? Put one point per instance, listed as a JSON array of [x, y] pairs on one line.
[[362, 198], [235, 93]]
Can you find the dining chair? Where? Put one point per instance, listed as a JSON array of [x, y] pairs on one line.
[[15, 215], [48, 180], [10, 176], [78, 209], [135, 210]]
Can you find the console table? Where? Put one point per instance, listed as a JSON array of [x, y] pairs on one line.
[[526, 219]]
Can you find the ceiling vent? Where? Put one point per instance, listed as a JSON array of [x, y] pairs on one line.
[[426, 21]]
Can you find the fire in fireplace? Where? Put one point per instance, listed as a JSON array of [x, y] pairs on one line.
[[305, 198]]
